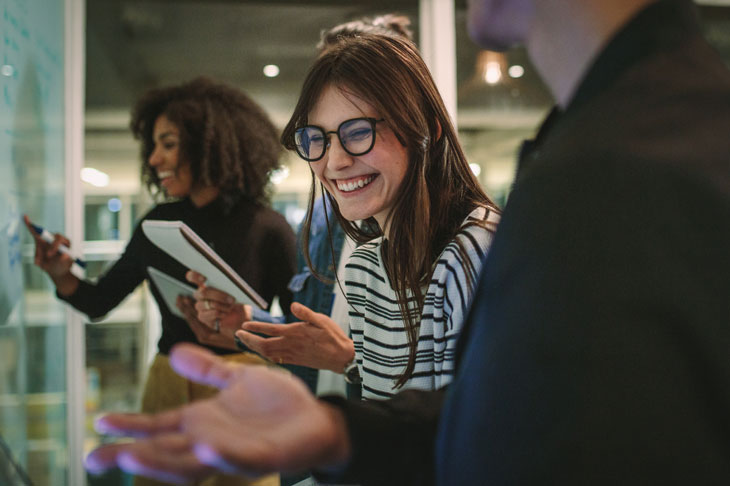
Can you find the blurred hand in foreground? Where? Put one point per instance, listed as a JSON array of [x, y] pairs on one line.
[[264, 420]]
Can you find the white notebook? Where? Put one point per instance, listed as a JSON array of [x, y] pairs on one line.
[[180, 242], [170, 288]]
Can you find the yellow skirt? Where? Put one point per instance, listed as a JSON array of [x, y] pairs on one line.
[[165, 390]]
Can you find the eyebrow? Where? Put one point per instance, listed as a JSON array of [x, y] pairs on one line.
[[164, 135]]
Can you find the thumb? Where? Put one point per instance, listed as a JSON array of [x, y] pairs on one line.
[[304, 313], [201, 366]]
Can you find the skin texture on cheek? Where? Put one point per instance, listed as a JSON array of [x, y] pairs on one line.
[[381, 171]]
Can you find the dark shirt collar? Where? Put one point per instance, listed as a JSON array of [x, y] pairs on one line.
[[659, 26]]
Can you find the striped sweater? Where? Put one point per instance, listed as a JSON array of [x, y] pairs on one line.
[[381, 343]]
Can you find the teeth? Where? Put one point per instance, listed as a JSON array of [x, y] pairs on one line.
[[164, 173], [351, 186]]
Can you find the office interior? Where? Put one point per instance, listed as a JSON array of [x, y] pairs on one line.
[[71, 71]]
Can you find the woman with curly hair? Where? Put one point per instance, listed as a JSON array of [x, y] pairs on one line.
[[207, 149]]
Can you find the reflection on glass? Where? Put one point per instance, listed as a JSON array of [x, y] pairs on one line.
[[32, 324]]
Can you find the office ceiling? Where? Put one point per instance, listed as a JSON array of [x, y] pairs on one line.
[[135, 44], [132, 45]]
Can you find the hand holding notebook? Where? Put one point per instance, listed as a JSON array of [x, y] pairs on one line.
[[183, 244]]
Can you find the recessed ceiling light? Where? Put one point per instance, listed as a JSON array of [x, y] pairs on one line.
[[94, 177], [271, 70], [492, 73], [516, 71]]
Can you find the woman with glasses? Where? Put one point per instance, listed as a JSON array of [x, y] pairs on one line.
[[374, 130]]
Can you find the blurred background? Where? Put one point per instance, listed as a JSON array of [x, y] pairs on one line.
[[263, 47]]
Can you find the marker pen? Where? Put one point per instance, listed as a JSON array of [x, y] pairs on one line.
[[46, 236]]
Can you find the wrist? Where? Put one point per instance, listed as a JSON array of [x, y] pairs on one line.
[[350, 370], [66, 284], [346, 356]]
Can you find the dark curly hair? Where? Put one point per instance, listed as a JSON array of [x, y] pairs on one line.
[[225, 137]]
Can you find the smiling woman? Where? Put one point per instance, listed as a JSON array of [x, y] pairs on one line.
[[374, 130]]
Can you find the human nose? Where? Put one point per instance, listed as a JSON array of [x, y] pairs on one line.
[[155, 158], [337, 157]]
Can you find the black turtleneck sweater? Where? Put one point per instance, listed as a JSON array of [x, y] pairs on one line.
[[254, 240]]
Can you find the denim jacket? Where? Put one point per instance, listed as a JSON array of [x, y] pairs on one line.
[[308, 290]]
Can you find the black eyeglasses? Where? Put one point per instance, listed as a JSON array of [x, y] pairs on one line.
[[357, 137]]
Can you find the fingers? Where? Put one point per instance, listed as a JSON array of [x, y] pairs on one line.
[[276, 349], [186, 305], [200, 365], [168, 458], [305, 313], [214, 297], [103, 458], [137, 424], [194, 277], [204, 304], [316, 319], [267, 328], [58, 240], [31, 230]]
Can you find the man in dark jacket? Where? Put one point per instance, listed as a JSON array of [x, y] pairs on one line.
[[597, 348]]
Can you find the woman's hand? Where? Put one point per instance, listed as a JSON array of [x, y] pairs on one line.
[[56, 264], [316, 342], [223, 338], [213, 305]]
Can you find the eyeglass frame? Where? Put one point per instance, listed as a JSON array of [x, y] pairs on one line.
[[326, 133]]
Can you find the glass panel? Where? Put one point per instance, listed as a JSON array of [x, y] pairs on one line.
[[501, 100], [32, 322]]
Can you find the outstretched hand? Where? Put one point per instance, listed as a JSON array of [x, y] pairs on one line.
[[263, 420], [317, 341]]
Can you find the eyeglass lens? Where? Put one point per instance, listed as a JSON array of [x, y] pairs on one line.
[[356, 137]]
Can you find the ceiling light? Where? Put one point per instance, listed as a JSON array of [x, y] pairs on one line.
[[94, 177], [516, 71], [492, 73], [271, 70], [476, 169], [7, 70]]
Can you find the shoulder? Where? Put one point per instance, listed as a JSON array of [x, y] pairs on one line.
[[367, 251], [475, 235], [364, 263], [271, 221], [165, 211]]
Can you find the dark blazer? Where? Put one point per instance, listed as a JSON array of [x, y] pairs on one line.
[[598, 350], [598, 347]]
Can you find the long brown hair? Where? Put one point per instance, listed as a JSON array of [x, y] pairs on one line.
[[439, 189], [226, 138]]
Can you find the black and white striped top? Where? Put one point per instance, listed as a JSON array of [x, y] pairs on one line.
[[381, 343]]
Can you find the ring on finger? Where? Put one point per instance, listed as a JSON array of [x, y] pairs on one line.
[[217, 325]]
